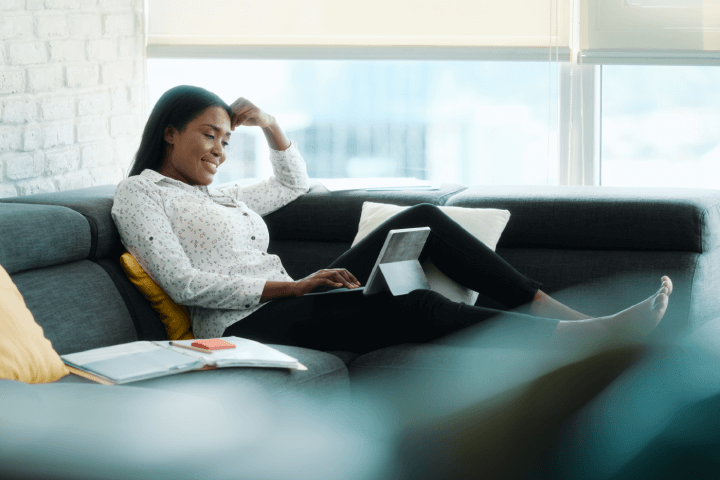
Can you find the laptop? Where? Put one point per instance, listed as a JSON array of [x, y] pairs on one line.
[[397, 267]]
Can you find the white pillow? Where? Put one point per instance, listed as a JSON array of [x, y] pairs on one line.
[[486, 224]]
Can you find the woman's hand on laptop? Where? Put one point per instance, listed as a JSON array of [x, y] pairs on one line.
[[333, 277]]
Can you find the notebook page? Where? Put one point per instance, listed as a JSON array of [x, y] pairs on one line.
[[142, 365], [105, 353], [132, 361], [246, 353]]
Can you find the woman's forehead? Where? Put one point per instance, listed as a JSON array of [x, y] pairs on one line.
[[215, 116]]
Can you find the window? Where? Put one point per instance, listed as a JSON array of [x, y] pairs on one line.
[[660, 126], [466, 122], [461, 91]]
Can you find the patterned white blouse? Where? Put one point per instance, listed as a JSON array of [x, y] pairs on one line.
[[206, 247]]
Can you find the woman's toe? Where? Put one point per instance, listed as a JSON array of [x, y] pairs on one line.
[[667, 283]]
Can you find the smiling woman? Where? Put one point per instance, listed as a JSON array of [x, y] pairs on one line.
[[174, 111], [196, 126], [194, 154]]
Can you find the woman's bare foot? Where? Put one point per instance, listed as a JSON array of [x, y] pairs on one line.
[[630, 324], [545, 306]]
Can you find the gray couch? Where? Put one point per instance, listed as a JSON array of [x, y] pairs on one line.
[[597, 249]]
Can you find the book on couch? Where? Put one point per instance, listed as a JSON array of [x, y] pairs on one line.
[[134, 361]]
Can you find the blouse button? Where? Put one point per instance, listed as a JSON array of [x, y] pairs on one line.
[[252, 238], [247, 305], [245, 213], [150, 238]]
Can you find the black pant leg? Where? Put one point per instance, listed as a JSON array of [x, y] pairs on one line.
[[453, 250], [355, 322]]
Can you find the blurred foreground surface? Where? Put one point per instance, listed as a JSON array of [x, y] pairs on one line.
[[648, 410]]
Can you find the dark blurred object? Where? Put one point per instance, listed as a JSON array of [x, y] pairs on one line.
[[509, 435], [660, 419]]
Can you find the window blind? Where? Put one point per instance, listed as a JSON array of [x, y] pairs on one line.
[[650, 32], [508, 29]]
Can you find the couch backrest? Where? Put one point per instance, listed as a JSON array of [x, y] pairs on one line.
[[45, 249], [602, 218], [61, 251]]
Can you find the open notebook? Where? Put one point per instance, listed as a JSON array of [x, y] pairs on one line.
[[134, 361]]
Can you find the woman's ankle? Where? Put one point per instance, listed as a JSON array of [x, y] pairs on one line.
[[543, 305]]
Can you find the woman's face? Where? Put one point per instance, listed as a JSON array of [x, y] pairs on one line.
[[193, 155]]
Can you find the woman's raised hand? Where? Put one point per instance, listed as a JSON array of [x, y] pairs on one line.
[[244, 112], [333, 277]]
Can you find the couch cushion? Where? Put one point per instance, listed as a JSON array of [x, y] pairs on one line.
[[25, 353], [94, 203], [603, 217], [77, 305], [346, 357], [324, 216], [33, 236]]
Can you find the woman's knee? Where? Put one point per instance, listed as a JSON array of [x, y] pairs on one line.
[[424, 212], [425, 208]]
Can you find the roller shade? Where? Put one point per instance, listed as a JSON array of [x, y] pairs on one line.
[[510, 28], [650, 32]]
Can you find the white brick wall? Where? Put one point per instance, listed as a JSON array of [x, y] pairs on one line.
[[72, 93]]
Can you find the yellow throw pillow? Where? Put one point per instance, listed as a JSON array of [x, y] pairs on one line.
[[175, 317], [25, 353]]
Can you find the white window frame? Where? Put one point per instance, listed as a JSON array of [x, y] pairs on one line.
[[580, 115], [580, 129]]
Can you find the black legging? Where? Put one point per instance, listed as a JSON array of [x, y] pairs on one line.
[[354, 322]]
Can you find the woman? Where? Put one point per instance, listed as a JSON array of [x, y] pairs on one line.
[[208, 250]]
